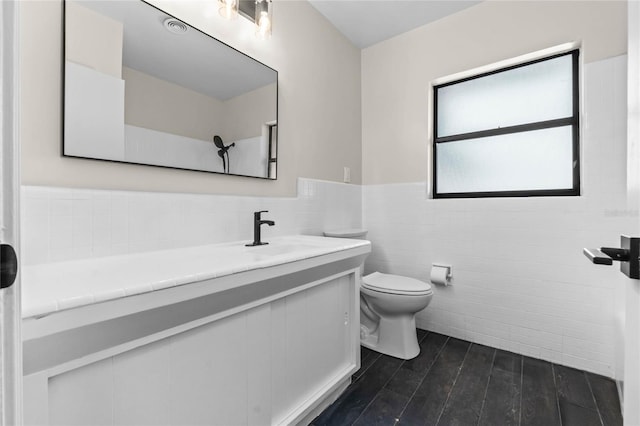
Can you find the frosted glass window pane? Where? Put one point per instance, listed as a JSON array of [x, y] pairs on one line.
[[536, 160], [537, 92]]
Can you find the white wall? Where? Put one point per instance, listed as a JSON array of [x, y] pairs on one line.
[[86, 29], [247, 113], [521, 282], [94, 113], [61, 224], [145, 146], [160, 105], [319, 103], [396, 73]]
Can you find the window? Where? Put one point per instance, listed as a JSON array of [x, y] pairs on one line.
[[512, 132]]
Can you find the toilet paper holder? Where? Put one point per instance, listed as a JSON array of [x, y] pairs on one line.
[[437, 271], [448, 267]]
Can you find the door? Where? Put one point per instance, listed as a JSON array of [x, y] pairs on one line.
[[632, 287], [10, 341]]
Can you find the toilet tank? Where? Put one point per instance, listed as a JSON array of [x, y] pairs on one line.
[[356, 233]]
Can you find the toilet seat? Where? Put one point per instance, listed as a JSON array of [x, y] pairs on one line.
[[396, 284]]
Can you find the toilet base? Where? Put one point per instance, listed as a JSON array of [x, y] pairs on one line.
[[399, 337]]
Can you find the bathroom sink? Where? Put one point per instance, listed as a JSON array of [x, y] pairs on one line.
[[280, 249], [100, 280]]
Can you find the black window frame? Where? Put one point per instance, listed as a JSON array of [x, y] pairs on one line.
[[574, 121]]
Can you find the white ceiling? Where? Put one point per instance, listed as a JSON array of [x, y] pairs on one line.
[[367, 22], [193, 60]]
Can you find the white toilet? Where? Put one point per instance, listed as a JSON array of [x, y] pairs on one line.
[[388, 306]]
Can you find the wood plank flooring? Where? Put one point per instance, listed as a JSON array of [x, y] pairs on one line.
[[453, 382]]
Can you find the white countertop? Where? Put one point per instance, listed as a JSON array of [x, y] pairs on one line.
[[54, 287]]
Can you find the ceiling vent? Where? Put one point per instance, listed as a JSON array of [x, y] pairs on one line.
[[174, 26]]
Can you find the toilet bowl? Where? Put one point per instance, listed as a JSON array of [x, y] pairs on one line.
[[388, 306], [390, 303]]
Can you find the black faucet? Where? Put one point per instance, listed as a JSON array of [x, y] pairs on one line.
[[257, 223]]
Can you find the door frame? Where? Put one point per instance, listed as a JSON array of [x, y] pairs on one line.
[[631, 393], [10, 301]]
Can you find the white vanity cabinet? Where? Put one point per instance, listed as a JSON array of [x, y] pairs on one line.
[[271, 345]]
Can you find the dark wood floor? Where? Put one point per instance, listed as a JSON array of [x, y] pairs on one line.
[[453, 382]]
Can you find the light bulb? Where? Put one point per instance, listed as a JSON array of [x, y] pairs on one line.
[[263, 19], [263, 30], [228, 9]]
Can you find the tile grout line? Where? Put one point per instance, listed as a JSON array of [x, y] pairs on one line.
[[556, 378], [376, 356], [453, 385], [555, 386], [378, 393], [405, 406], [486, 388], [521, 390], [383, 386], [593, 397], [423, 379]]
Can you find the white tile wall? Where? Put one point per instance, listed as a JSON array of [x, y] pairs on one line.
[[62, 224], [521, 282]]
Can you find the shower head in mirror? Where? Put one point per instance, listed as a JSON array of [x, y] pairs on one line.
[[218, 141]]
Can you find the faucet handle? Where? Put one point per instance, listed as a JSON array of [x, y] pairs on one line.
[[257, 214]]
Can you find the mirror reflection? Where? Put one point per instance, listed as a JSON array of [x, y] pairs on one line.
[[143, 87]]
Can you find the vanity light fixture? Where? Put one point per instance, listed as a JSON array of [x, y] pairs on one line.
[[263, 19], [228, 9], [257, 11]]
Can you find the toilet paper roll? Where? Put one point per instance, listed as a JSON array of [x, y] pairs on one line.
[[440, 275]]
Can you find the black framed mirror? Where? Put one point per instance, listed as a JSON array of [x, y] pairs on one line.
[[143, 87]]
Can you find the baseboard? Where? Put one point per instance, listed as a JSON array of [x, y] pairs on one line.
[[463, 335]]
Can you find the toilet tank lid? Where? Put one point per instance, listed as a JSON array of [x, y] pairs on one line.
[[395, 283], [346, 233]]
